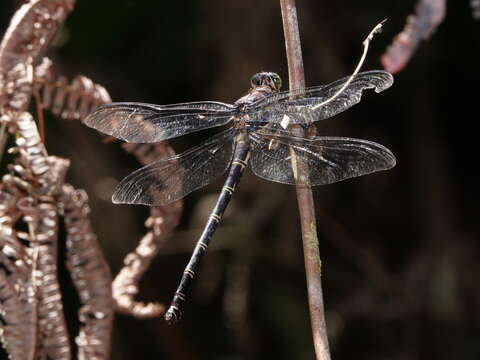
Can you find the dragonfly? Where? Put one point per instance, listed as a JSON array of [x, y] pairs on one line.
[[261, 134]]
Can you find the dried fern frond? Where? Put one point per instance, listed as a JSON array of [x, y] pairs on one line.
[[34, 194], [16, 89], [54, 342], [73, 100], [29, 34], [18, 305], [34, 179], [31, 31], [90, 274], [37, 182], [162, 221], [429, 14], [18, 314], [31, 196]]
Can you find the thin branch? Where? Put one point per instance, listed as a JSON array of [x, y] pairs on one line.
[[304, 194], [475, 4], [3, 137], [429, 14], [40, 115], [366, 44]]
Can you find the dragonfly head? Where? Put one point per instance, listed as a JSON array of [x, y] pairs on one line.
[[270, 79]]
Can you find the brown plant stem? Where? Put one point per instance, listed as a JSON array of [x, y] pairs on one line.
[[304, 194], [429, 14], [41, 118]]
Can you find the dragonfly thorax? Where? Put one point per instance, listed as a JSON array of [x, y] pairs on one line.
[[263, 84]]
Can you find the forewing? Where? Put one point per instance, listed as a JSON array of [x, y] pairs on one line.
[[147, 123], [301, 106], [171, 179], [326, 159]]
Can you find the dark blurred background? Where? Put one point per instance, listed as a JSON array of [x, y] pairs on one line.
[[399, 248]]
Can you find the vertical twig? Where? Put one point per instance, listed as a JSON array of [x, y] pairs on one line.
[[41, 118], [304, 194]]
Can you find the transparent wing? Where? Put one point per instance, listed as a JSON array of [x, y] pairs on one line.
[[328, 159], [300, 106], [147, 123], [168, 180]]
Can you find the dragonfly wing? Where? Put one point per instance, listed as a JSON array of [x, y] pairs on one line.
[[148, 123], [328, 159], [304, 106], [168, 180]]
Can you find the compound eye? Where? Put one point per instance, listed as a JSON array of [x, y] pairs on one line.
[[278, 82], [256, 80]]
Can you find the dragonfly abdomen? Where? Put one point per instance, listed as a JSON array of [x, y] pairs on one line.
[[239, 163]]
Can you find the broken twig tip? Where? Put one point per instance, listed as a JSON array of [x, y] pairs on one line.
[[366, 44], [376, 30]]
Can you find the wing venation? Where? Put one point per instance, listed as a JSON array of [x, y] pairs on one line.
[[168, 180], [148, 123], [327, 159], [301, 106]]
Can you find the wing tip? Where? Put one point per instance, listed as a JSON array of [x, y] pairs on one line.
[[380, 80], [385, 83], [116, 200], [389, 158], [119, 195], [390, 163]]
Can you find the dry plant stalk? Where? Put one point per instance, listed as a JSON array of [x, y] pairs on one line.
[[429, 14], [304, 193]]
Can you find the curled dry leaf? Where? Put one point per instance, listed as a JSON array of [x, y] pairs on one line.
[[90, 274], [162, 221], [18, 313], [31, 31], [33, 324], [33, 195], [42, 217], [73, 100], [429, 14], [29, 34], [18, 307], [28, 195]]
